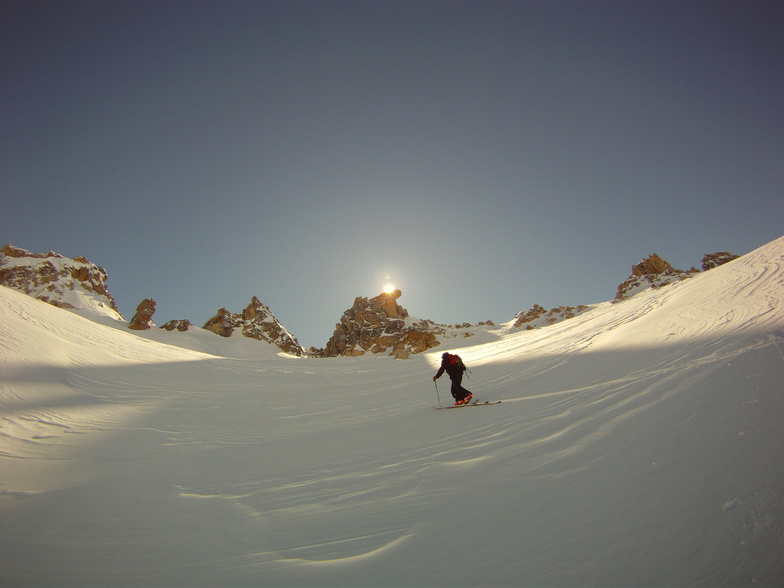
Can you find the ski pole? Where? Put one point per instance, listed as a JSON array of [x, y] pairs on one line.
[[437, 394]]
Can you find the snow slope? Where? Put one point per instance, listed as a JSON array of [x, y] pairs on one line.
[[639, 443]]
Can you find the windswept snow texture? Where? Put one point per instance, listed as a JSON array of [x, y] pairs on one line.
[[640, 443]]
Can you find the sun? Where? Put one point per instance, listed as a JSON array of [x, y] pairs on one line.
[[389, 288]]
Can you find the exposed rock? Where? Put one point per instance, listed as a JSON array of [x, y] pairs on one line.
[[256, 321], [380, 325], [538, 316], [651, 272], [17, 252], [259, 323], [387, 302], [712, 260], [223, 323], [60, 281], [181, 325], [528, 316], [418, 338], [316, 352], [651, 265], [142, 320]]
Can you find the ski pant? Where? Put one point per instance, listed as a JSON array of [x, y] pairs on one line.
[[458, 392]]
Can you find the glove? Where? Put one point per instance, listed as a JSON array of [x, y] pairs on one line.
[[434, 378]]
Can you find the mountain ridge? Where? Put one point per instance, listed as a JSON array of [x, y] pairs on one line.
[[373, 326]]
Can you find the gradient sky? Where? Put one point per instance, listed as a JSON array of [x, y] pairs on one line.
[[482, 156]]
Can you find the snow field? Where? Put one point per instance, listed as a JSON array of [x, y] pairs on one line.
[[637, 444]]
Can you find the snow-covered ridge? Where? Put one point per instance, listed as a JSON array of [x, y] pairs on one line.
[[538, 317], [372, 326], [64, 282]]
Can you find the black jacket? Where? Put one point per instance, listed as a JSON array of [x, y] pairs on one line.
[[450, 365]]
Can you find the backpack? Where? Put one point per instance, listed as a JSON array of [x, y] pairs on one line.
[[455, 360]]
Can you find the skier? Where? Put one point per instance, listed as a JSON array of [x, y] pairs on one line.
[[453, 365]]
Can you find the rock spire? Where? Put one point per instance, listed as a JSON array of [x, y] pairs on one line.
[[256, 321], [142, 320]]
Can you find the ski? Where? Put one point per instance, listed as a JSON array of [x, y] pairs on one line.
[[475, 403]]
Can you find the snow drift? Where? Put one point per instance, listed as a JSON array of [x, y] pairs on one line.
[[639, 443]]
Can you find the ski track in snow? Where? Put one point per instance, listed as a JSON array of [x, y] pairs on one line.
[[645, 432]]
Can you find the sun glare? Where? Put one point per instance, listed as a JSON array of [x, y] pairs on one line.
[[389, 288]]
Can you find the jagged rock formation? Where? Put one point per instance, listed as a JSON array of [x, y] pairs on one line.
[[380, 325], [651, 272], [537, 316], [256, 322], [223, 323], [142, 320], [61, 281], [181, 325], [712, 260], [487, 323]]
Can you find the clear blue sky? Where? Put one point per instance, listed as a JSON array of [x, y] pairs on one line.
[[485, 156]]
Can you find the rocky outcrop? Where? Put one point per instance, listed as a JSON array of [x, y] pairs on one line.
[[60, 281], [528, 316], [181, 325], [223, 323], [538, 316], [259, 323], [416, 338], [651, 265], [651, 272], [380, 325], [142, 320], [255, 322], [712, 260]]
